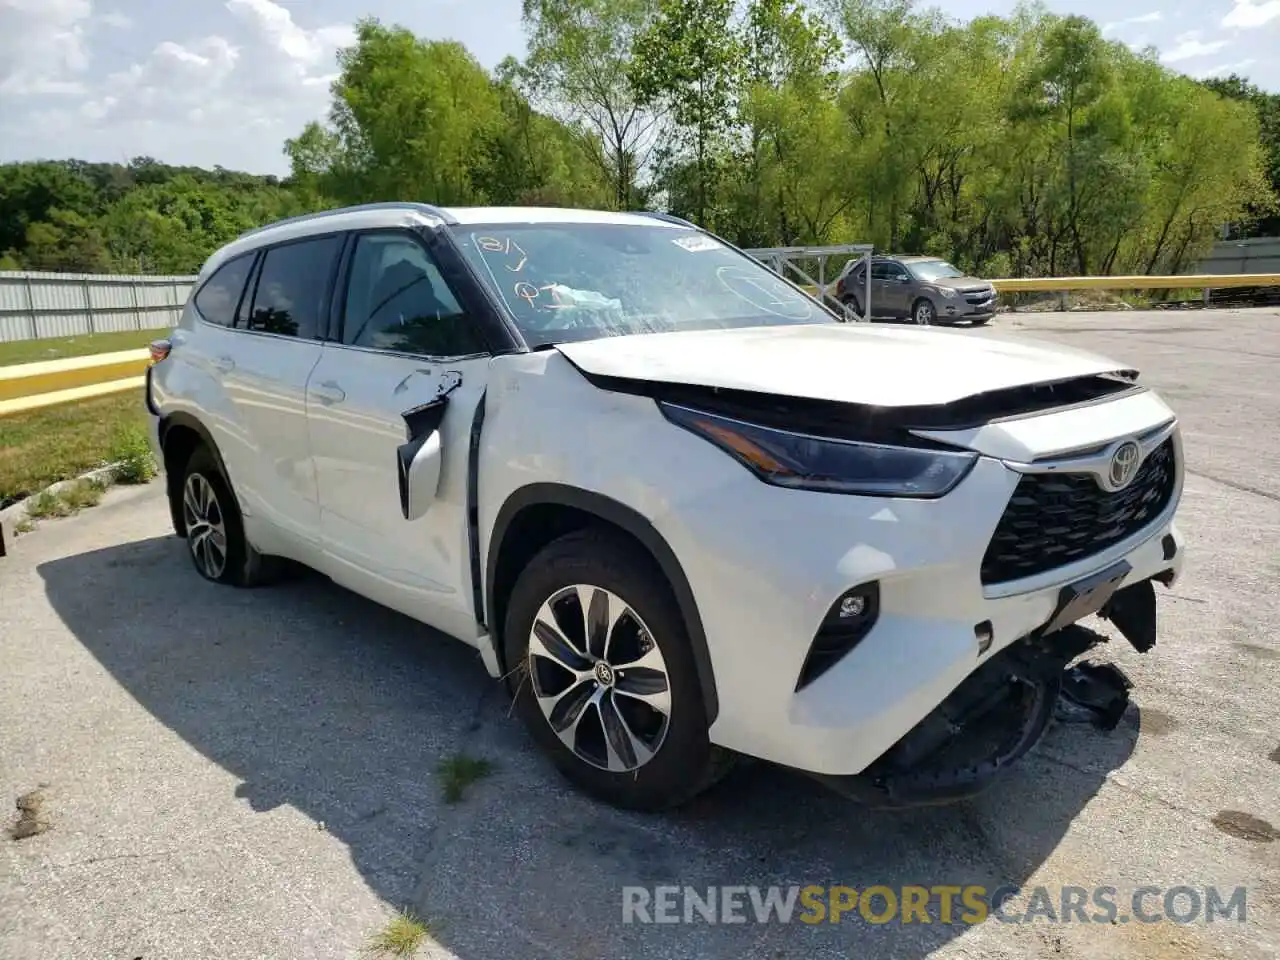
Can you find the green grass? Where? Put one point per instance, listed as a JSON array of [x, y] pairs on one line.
[[459, 772], [67, 501], [399, 938], [57, 348], [58, 443]]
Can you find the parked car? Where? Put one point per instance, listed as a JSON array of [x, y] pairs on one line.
[[924, 289], [677, 506]]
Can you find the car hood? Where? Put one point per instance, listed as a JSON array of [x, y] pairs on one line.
[[847, 363], [962, 284]]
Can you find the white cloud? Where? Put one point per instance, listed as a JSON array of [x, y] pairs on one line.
[[261, 71], [1247, 14], [42, 46], [115, 19], [1223, 70], [276, 24], [1155, 16], [1189, 46]]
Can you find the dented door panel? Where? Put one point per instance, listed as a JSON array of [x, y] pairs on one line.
[[391, 472]]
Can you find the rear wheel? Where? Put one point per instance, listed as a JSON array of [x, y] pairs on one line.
[[213, 526], [604, 674]]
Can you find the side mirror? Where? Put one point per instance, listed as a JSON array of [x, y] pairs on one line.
[[419, 460]]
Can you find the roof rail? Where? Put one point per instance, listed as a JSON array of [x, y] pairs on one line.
[[667, 217], [426, 208]]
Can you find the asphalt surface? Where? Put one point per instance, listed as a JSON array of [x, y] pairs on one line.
[[237, 774]]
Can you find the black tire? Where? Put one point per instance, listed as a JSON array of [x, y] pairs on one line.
[[242, 565], [920, 306], [852, 303], [685, 762]]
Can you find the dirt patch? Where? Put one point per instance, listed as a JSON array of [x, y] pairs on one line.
[[1258, 651], [1245, 826], [1155, 722], [31, 817]]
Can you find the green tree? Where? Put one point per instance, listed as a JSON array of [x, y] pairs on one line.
[[791, 175], [1260, 220], [411, 119], [577, 68], [689, 62]]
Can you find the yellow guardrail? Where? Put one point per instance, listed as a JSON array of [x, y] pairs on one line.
[[47, 383], [1194, 282], [31, 386]]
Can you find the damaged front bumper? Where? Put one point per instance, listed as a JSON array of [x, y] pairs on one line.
[[1003, 709]]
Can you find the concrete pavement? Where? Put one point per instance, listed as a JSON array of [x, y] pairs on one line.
[[236, 774]]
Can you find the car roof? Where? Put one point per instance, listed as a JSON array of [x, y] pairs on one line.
[[410, 214], [486, 215]]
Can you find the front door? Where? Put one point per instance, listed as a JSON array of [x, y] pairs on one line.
[[890, 292], [390, 414]]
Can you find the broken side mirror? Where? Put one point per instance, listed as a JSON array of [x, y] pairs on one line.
[[419, 460]]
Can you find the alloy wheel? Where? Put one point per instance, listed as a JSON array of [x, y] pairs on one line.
[[924, 313], [599, 678], [206, 526]]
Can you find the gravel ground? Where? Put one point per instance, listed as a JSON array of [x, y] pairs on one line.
[[231, 774]]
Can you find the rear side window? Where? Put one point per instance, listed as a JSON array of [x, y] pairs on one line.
[[398, 300], [290, 295], [217, 299]]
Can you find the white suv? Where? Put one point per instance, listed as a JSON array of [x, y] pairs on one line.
[[679, 507]]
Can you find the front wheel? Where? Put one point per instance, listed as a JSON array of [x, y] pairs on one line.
[[923, 312], [604, 673]]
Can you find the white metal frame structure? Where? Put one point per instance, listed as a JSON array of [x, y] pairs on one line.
[[783, 259]]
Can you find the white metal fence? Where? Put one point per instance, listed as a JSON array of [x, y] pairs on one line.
[[34, 306]]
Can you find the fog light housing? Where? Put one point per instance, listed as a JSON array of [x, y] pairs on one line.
[[846, 623], [984, 633]]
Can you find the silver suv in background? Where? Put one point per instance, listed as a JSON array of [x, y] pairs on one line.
[[924, 289]]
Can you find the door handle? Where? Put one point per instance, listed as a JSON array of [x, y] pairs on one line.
[[224, 364], [328, 393]]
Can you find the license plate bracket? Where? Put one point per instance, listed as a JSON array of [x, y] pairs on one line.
[[1085, 597]]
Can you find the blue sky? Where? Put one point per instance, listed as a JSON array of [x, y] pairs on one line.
[[226, 81]]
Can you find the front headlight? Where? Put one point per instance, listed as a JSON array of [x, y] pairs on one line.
[[947, 292], [834, 466]]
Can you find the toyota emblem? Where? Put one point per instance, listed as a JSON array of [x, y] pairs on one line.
[[1123, 466]]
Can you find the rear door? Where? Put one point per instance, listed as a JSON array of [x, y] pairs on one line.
[[391, 408], [276, 344]]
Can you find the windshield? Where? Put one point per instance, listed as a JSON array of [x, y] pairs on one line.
[[582, 281], [930, 270]]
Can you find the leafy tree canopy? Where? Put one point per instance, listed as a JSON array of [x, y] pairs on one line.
[[1027, 144]]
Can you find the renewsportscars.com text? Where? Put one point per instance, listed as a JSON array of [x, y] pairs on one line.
[[965, 905]]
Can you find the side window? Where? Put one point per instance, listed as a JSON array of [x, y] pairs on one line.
[[290, 294], [217, 299], [398, 300], [881, 271]]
